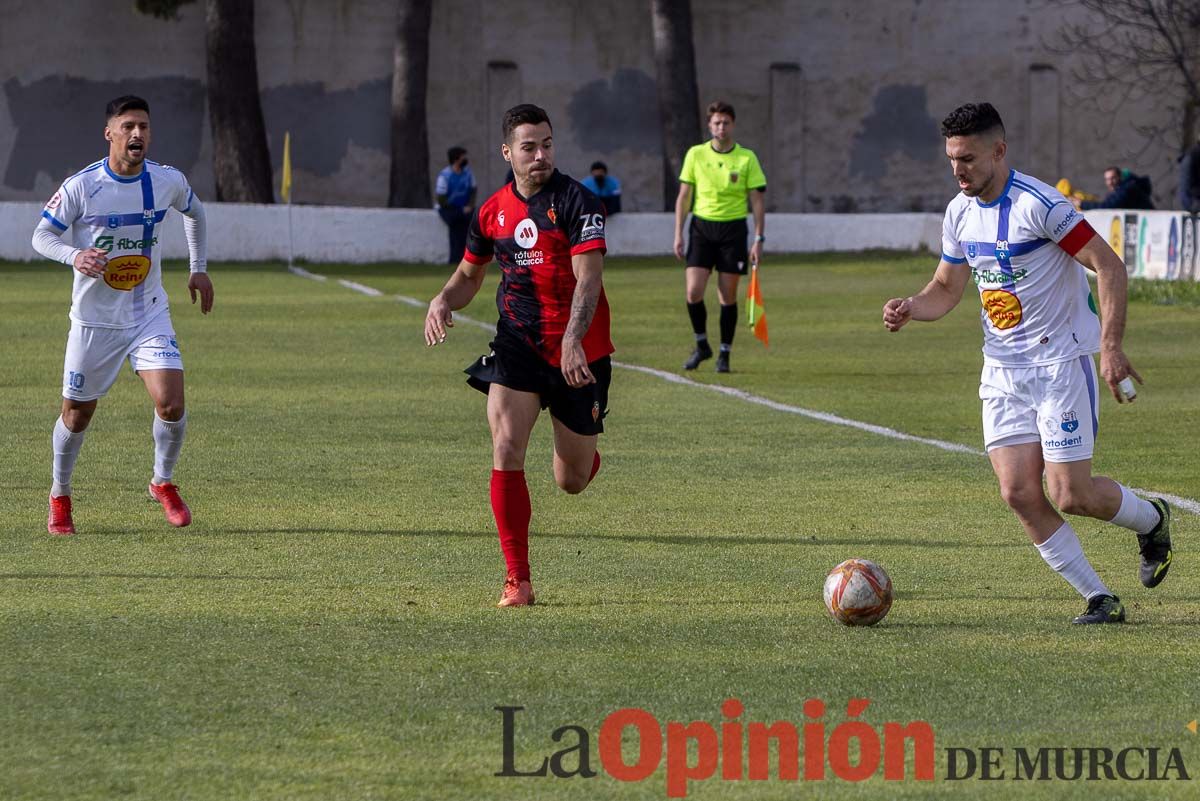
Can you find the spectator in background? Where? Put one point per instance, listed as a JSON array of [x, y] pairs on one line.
[[456, 200], [605, 187], [1189, 179], [1125, 191]]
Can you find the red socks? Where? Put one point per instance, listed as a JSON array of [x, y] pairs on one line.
[[595, 467], [510, 506]]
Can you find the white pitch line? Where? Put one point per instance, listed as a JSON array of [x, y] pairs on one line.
[[740, 394]]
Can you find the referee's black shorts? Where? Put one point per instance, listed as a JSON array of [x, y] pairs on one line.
[[718, 244], [581, 409]]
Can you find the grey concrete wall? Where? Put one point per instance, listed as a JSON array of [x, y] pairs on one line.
[[841, 100]]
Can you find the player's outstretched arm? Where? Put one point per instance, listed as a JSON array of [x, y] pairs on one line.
[[458, 292], [1113, 284], [589, 270], [933, 302]]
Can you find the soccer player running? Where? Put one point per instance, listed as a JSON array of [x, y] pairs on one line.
[[118, 304], [1023, 244], [552, 342], [718, 175]]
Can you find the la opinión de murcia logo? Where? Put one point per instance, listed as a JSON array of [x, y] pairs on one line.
[[733, 749], [633, 745]]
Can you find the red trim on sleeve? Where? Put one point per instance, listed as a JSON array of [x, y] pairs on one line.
[[1079, 236], [474, 259], [584, 247]]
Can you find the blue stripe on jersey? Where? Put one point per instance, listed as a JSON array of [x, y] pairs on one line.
[[1033, 191], [116, 177], [1086, 363], [953, 260], [62, 226], [89, 168], [148, 220], [122, 220], [1004, 194], [1004, 256]]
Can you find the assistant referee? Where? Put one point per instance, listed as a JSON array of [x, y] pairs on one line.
[[719, 174]]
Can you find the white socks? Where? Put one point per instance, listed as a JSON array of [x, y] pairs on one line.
[[1064, 554], [1135, 513], [66, 445], [168, 440]]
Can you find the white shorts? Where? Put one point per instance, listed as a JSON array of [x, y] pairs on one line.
[[94, 355], [1054, 404]]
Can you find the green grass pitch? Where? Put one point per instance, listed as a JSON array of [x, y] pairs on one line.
[[325, 629]]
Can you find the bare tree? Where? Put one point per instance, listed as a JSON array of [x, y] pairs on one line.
[[409, 182], [1135, 48], [678, 97], [241, 161]]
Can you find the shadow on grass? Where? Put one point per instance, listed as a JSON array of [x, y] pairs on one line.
[[162, 576], [663, 539]]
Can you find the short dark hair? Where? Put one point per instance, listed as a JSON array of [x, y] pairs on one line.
[[720, 107], [454, 154], [118, 106], [598, 165], [1115, 169], [972, 119], [524, 114]]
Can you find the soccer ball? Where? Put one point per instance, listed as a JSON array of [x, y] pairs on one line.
[[858, 593]]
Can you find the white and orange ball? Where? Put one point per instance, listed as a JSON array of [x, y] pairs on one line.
[[858, 592]]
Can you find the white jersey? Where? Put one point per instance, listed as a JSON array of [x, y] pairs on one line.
[[121, 216], [1037, 305]]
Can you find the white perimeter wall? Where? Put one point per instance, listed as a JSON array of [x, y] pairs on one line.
[[243, 232]]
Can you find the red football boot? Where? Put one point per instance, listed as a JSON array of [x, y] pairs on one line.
[[174, 508], [59, 521], [516, 593]]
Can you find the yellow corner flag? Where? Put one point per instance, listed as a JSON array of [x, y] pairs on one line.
[[285, 188], [754, 301]]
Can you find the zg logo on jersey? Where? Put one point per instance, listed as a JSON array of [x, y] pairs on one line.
[[526, 234], [125, 272], [1003, 308]]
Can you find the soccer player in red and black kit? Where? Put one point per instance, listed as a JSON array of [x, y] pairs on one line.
[[552, 342]]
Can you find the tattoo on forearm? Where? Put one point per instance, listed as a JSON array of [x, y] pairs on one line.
[[583, 308]]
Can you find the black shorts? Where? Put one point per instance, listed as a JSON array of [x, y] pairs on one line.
[[581, 409], [718, 244]]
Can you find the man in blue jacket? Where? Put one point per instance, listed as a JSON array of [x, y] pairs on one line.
[[1125, 191]]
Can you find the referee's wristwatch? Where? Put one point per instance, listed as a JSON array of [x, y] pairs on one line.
[[760, 238]]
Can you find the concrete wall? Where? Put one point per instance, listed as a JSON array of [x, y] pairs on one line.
[[840, 99], [242, 232]]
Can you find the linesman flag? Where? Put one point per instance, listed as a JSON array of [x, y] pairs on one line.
[[754, 302], [285, 187]]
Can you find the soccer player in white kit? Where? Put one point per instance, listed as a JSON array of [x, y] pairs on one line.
[[118, 306], [1023, 244]]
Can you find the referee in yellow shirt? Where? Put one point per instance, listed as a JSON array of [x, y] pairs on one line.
[[719, 175]]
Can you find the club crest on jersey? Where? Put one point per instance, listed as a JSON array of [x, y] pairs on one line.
[[972, 250], [500, 218], [552, 215], [54, 201], [1070, 422], [147, 216], [733, 177], [114, 220], [526, 234], [1002, 252]]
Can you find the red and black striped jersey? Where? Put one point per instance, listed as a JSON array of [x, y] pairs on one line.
[[533, 241]]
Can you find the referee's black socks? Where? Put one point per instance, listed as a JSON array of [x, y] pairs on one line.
[[699, 317], [729, 318]]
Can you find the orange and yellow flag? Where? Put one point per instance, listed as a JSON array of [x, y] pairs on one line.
[[754, 301]]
